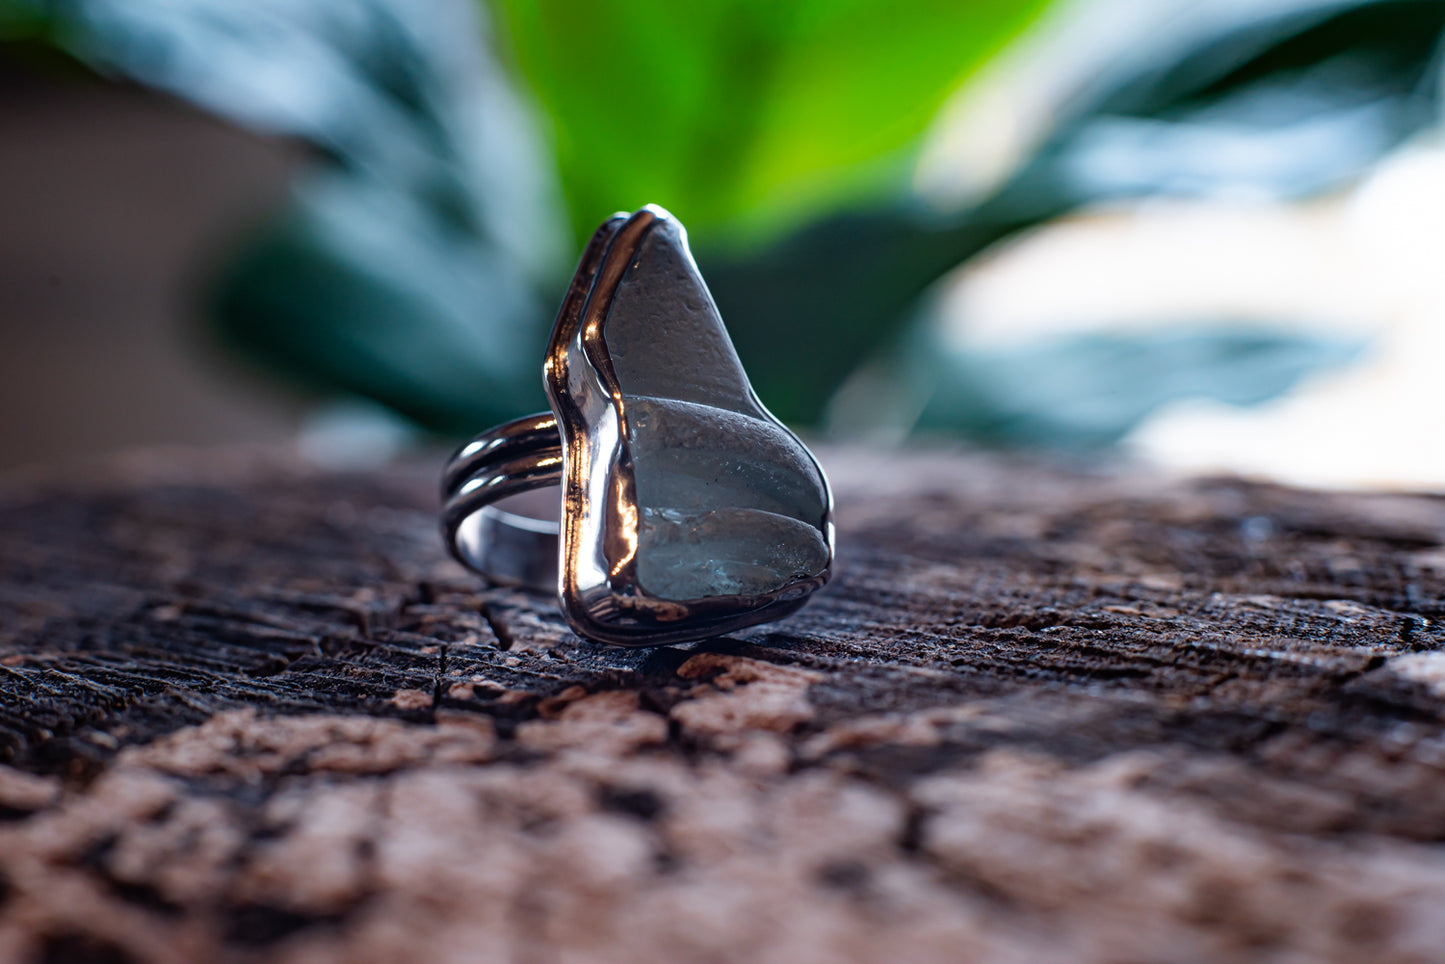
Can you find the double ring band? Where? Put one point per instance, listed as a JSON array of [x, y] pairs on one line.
[[510, 548], [686, 509]]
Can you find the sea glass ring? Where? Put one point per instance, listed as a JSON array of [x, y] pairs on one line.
[[687, 510]]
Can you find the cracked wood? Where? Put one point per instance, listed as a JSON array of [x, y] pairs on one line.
[[249, 711]]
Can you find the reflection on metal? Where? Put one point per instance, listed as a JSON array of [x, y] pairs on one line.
[[591, 559]]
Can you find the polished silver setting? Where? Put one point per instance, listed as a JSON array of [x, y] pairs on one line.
[[582, 446]]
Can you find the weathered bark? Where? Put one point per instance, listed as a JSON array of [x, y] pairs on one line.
[[250, 711]]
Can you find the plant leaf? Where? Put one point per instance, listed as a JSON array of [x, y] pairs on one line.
[[1278, 100], [419, 264], [748, 113], [1088, 390], [361, 288], [413, 265], [1272, 100]]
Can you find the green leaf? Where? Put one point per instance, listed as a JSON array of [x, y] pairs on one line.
[[1266, 100], [361, 288], [21, 20], [1275, 100], [1082, 391], [421, 261], [810, 309], [744, 114], [416, 263]]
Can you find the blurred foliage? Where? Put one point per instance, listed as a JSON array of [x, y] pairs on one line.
[[416, 263], [20, 19], [744, 111], [1078, 391], [422, 259], [1265, 100], [1273, 99]]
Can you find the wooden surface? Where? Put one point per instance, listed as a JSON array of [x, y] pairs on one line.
[[249, 711]]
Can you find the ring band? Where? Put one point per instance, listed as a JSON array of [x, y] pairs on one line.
[[686, 509], [510, 548]]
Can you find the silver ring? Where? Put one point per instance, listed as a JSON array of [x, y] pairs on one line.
[[686, 509]]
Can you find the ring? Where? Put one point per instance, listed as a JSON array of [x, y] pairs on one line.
[[687, 510]]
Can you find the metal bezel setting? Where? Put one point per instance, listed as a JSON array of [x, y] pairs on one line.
[[596, 545]]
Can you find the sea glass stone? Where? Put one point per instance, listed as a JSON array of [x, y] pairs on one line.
[[730, 502]]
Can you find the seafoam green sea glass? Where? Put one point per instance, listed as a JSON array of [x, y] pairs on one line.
[[730, 502]]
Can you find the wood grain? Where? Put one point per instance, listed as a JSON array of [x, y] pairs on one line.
[[249, 711]]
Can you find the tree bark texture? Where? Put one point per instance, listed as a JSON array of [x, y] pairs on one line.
[[249, 711]]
